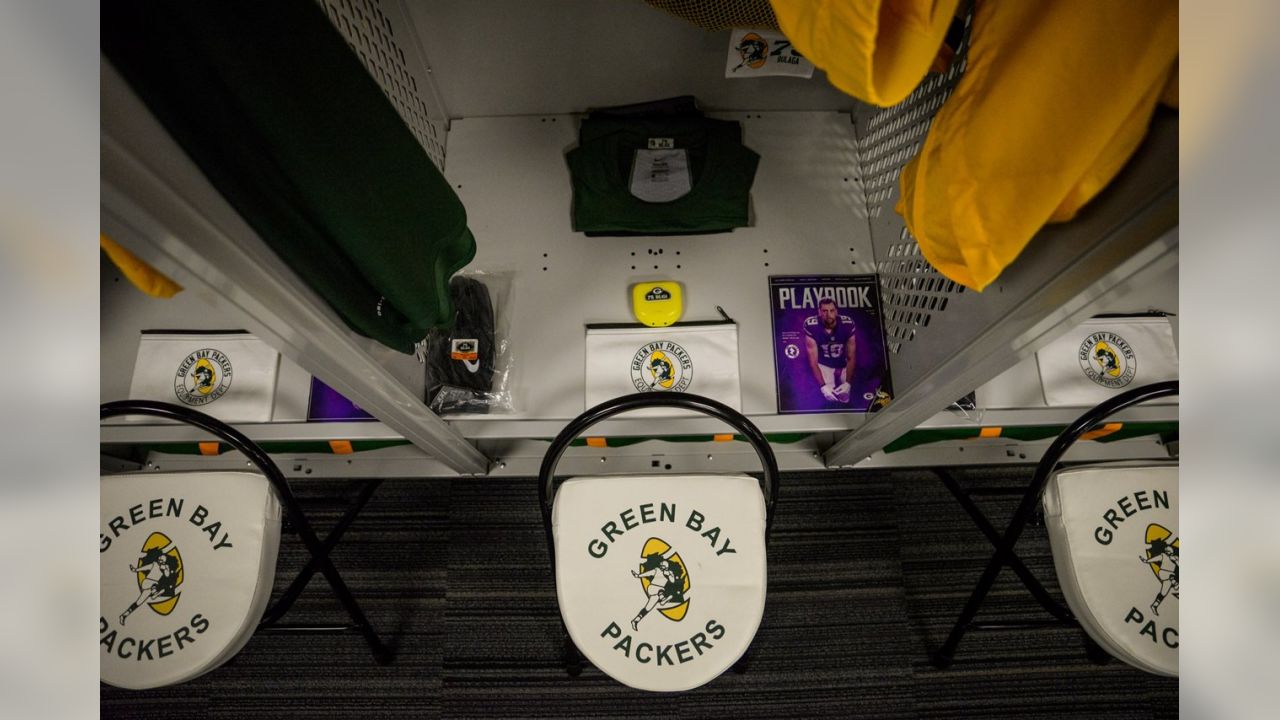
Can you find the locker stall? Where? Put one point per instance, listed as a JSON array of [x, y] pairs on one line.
[[456, 577], [494, 91]]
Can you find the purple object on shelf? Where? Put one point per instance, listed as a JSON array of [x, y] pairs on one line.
[[816, 319], [329, 404]]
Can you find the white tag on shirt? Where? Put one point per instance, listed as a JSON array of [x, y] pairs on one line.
[[659, 176], [760, 53], [661, 143]]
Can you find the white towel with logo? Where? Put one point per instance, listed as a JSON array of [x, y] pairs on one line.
[[231, 376], [699, 358], [1104, 357]]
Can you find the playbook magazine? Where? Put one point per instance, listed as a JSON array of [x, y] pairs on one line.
[[828, 344]]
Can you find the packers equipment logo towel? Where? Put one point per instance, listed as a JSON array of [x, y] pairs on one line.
[[202, 377], [661, 366], [1108, 360]]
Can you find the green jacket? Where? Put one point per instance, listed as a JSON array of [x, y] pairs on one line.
[[279, 114]]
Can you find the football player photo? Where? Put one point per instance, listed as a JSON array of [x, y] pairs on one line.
[[832, 351]]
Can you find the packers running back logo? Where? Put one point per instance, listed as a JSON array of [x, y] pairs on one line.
[[202, 377], [1108, 360], [652, 578], [1161, 555], [754, 51], [665, 581], [159, 572], [661, 366]]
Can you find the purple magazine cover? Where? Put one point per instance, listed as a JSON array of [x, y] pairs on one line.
[[329, 404], [817, 320]]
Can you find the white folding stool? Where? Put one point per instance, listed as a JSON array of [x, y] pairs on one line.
[[660, 579], [1113, 531], [188, 559], [1113, 528], [187, 564]]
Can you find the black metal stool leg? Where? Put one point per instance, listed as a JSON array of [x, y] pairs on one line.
[[1094, 651], [1015, 563], [1005, 543], [294, 591], [999, 559], [573, 659], [381, 654]]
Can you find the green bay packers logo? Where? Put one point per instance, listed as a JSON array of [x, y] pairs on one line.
[[204, 376], [754, 51], [665, 581], [1161, 555], [661, 366], [1108, 360], [159, 571]]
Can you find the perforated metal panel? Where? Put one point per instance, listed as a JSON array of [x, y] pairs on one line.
[[914, 293], [894, 135], [945, 340], [380, 36], [721, 14]]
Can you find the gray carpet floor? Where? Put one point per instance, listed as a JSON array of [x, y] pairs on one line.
[[867, 571]]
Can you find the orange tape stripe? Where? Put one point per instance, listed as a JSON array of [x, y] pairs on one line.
[[990, 432], [1103, 431], [341, 447], [723, 438], [208, 448], [595, 442]]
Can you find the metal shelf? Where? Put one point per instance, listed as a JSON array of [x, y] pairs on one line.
[[522, 457], [141, 433], [1029, 417], [810, 215], [809, 218]]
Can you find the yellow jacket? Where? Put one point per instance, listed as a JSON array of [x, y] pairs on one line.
[[1054, 100], [874, 50], [1056, 96], [143, 276]]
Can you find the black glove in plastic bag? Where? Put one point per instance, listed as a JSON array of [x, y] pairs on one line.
[[467, 362]]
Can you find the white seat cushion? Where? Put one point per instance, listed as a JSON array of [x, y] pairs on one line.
[[204, 546], [661, 578], [1114, 533]]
